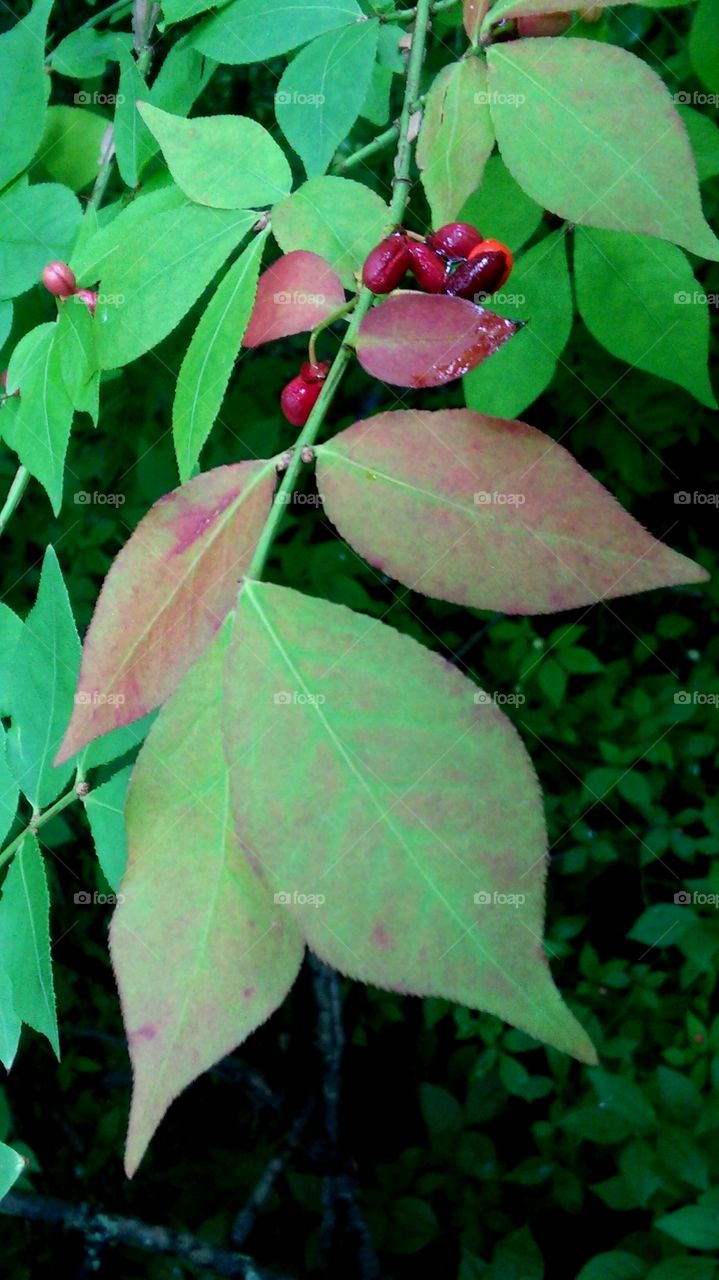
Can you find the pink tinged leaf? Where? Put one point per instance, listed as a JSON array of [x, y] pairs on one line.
[[423, 340], [166, 595], [473, 12], [296, 293], [407, 799], [486, 512], [201, 954]]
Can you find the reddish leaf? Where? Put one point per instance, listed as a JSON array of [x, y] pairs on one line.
[[473, 12], [297, 292], [201, 953], [424, 340], [165, 596], [486, 512]]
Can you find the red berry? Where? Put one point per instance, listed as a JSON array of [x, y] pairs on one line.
[[386, 264], [495, 246], [59, 280], [314, 372], [428, 269], [455, 240], [298, 399], [484, 271], [89, 297], [543, 24]]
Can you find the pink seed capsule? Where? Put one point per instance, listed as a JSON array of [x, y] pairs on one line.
[[59, 280], [428, 269], [89, 297]]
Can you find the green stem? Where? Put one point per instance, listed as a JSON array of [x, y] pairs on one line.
[[325, 324], [40, 819], [112, 11], [384, 139], [408, 15], [17, 489], [365, 297]]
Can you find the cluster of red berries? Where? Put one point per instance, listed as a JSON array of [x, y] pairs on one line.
[[456, 260], [60, 281]]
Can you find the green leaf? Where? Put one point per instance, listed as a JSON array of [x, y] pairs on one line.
[[703, 44], [517, 1257], [391, 890], [696, 1226], [182, 77], [85, 53], [96, 243], [39, 224], [10, 1024], [37, 425], [69, 150], [178, 10], [456, 137], [75, 341], [254, 30], [44, 671], [25, 940], [11, 1166], [337, 218], [560, 111], [9, 791], [539, 291], [199, 154], [10, 633], [500, 207], [105, 808], [441, 1112], [191, 994], [387, 485], [210, 357], [616, 1265], [662, 925], [639, 298], [322, 91], [704, 137], [683, 1268], [24, 89], [134, 145], [623, 1097], [156, 273], [165, 596]]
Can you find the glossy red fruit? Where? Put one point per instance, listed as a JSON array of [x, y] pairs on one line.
[[543, 24], [487, 267], [59, 280], [428, 269], [89, 297], [387, 263], [301, 393], [495, 246], [455, 240]]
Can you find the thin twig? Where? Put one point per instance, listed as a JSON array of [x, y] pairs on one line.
[[248, 1215], [110, 1229]]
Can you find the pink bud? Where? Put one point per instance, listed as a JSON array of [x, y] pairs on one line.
[[59, 280]]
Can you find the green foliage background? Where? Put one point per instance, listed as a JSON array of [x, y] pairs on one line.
[[479, 1155]]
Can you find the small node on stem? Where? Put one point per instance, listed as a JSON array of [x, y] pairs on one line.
[[307, 453], [284, 462], [82, 789]]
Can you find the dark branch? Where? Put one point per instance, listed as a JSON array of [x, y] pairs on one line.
[[111, 1229]]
